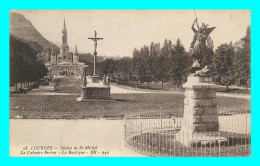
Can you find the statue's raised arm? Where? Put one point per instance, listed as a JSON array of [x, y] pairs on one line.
[[192, 27], [195, 33]]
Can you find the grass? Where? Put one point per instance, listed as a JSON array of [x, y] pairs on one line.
[[172, 87], [66, 106], [234, 90], [156, 144], [67, 85], [157, 86]]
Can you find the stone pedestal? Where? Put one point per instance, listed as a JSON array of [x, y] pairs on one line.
[[95, 79], [200, 105], [95, 92], [200, 115]]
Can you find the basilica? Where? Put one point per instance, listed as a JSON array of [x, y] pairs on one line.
[[65, 63]]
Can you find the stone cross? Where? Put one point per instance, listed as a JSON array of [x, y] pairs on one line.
[[95, 39]]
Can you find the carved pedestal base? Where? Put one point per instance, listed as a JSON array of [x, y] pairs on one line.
[[198, 139], [200, 117], [95, 92], [95, 79]]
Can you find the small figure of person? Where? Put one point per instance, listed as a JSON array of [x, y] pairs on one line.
[[104, 79], [107, 81]]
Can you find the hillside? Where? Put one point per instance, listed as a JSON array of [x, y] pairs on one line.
[[34, 45], [23, 28], [21, 50]]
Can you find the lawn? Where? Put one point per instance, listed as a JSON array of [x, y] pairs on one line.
[[172, 87], [66, 106], [67, 85], [156, 86], [163, 144], [234, 90]]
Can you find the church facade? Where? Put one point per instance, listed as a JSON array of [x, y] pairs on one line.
[[65, 63]]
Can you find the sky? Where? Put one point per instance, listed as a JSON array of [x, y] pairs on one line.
[[124, 30]]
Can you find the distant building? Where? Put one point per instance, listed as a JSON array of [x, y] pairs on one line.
[[65, 63]]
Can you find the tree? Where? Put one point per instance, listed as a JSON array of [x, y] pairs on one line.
[[209, 53], [107, 67], [163, 67], [136, 67], [224, 73], [242, 60], [179, 64], [123, 71], [23, 62], [156, 61], [147, 65]]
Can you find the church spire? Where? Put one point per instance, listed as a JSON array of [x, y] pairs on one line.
[[64, 49], [64, 26], [76, 50], [64, 33]]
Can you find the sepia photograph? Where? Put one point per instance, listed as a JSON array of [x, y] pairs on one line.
[[130, 83]]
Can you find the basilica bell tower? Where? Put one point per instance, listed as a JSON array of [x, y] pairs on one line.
[[64, 49]]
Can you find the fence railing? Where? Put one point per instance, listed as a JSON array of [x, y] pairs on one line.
[[161, 133]]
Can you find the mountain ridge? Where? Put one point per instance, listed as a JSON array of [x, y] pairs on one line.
[[23, 28]]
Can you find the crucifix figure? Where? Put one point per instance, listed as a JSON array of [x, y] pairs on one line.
[[95, 39]]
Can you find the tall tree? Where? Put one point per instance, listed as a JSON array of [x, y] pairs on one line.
[[23, 62], [152, 61], [163, 70], [179, 64], [107, 67], [136, 66], [156, 63], [209, 53], [147, 65], [142, 64], [123, 73], [243, 60], [223, 65]]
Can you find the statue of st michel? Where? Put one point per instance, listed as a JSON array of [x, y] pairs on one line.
[[199, 50]]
